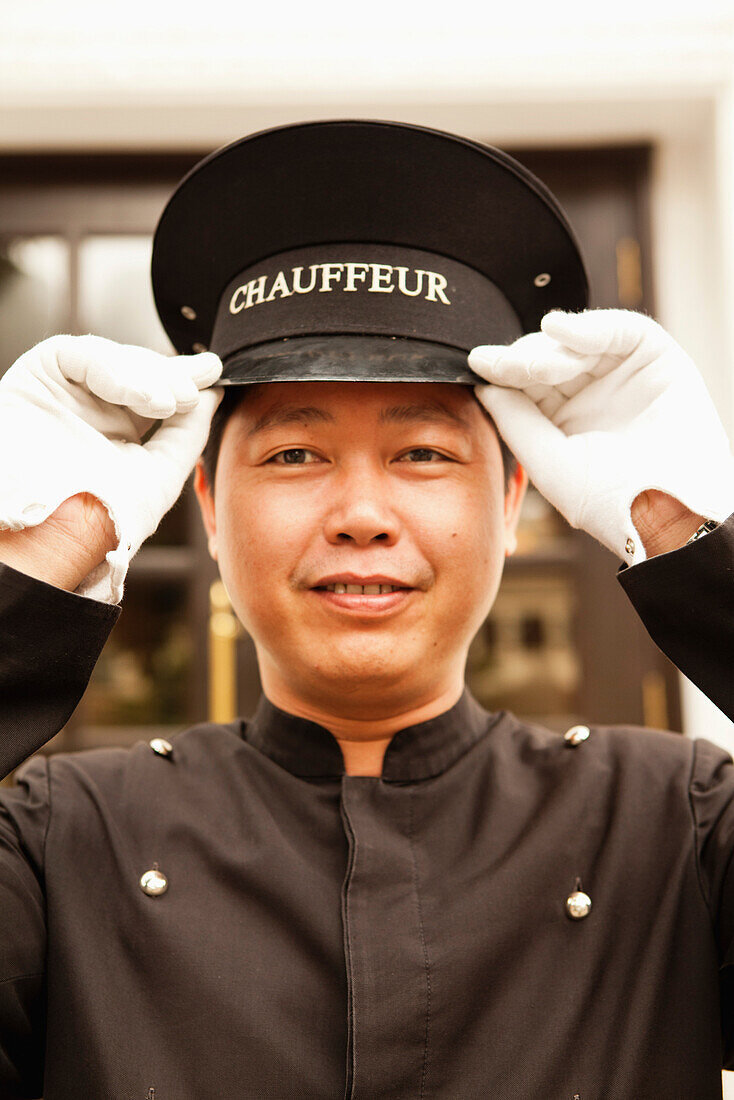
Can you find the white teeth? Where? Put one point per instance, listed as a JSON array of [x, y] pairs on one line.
[[362, 589]]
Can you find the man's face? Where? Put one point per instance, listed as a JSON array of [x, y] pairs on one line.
[[322, 485]]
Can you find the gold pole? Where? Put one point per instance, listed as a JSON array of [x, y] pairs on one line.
[[629, 273], [654, 701], [223, 633]]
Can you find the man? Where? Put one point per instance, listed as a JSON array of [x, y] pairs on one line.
[[374, 888]]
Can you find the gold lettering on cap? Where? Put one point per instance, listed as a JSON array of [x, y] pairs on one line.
[[297, 271], [279, 286], [436, 285], [354, 275], [255, 291], [402, 282], [382, 282], [234, 305], [381, 276], [329, 272]]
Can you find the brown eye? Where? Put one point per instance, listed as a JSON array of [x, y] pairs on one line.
[[294, 456], [425, 454]]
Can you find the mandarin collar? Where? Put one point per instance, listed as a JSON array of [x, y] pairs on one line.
[[420, 751]]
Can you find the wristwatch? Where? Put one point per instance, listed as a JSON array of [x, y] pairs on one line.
[[708, 525]]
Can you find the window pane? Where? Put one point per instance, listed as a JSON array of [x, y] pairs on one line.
[[541, 530], [143, 675], [116, 301], [173, 530], [115, 292], [34, 293], [524, 658]]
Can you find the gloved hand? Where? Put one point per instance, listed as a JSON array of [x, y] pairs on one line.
[[600, 406], [74, 411]]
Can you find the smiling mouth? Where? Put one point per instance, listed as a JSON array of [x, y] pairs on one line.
[[363, 599], [361, 589]]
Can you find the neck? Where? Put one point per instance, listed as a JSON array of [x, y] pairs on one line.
[[363, 741]]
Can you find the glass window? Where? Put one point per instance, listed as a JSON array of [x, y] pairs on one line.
[[34, 293], [143, 675], [173, 530], [116, 301], [542, 531], [115, 294], [524, 658]]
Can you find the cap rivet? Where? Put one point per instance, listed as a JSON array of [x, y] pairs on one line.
[[188, 313], [197, 347], [543, 279]]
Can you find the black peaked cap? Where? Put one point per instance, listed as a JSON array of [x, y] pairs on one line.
[[358, 235]]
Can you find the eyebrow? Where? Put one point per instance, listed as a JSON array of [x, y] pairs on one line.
[[429, 411]]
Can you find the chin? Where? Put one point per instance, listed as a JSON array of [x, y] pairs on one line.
[[361, 668]]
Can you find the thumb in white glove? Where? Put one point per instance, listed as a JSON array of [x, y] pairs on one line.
[[600, 406], [74, 411]]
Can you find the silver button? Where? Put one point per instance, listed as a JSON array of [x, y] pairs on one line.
[[188, 313], [153, 882], [543, 279], [629, 546], [578, 905], [161, 747], [576, 735]]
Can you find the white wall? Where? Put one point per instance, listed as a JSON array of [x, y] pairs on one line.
[[161, 75]]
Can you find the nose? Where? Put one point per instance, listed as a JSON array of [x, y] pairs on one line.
[[361, 511]]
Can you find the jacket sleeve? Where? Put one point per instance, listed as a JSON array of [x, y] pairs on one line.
[[686, 600], [51, 640], [712, 804], [24, 814]]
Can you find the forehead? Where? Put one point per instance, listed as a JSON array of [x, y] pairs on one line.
[[331, 402]]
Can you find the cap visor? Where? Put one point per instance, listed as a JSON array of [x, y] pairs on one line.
[[348, 359]]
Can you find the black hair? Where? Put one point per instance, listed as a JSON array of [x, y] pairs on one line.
[[231, 399]]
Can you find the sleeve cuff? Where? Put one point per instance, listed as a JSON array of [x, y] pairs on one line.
[[51, 642], [684, 598]]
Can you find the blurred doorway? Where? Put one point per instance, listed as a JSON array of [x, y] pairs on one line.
[[562, 643]]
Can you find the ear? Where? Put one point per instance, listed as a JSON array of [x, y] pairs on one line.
[[513, 503], [206, 506]]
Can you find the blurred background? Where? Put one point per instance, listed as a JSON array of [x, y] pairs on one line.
[[626, 111], [627, 114]]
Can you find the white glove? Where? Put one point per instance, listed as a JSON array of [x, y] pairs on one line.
[[73, 412], [600, 406]]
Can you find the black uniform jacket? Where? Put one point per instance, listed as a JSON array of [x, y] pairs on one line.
[[404, 936]]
